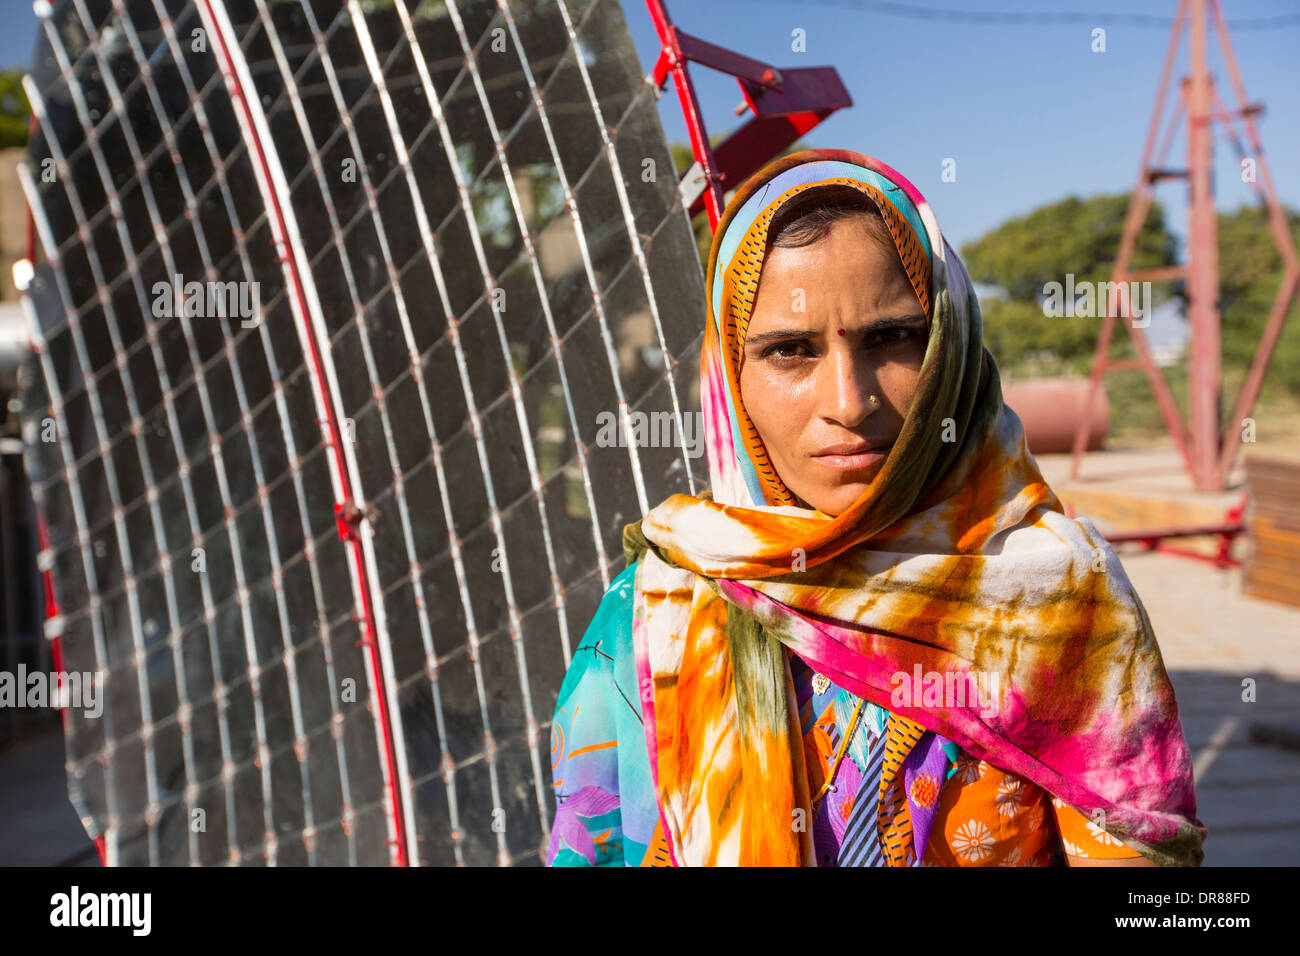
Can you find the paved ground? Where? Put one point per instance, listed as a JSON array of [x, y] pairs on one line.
[[1212, 638], [38, 826]]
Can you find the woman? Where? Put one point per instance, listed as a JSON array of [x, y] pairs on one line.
[[879, 641]]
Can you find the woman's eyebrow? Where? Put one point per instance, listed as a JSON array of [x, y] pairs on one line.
[[879, 325]]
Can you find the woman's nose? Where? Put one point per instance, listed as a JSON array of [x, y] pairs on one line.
[[847, 383]]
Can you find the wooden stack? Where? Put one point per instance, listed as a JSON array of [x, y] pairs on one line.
[[1272, 567]]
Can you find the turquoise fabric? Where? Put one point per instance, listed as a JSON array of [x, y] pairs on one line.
[[606, 810], [599, 693]]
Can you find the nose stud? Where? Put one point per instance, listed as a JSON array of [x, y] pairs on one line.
[[873, 400]]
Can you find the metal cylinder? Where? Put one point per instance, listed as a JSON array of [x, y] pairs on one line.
[[1051, 410]]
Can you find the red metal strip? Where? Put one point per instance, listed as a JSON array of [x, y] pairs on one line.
[[367, 618], [1187, 531], [1153, 538], [672, 61], [52, 609], [785, 103]]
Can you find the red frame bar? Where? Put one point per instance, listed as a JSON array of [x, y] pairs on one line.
[[345, 511], [1152, 538], [1286, 292], [785, 103], [1206, 372], [52, 609]]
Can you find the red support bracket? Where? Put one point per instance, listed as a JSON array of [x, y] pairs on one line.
[[785, 103], [1152, 539]]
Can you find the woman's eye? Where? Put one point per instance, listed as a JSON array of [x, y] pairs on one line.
[[783, 350], [893, 336], [793, 351]]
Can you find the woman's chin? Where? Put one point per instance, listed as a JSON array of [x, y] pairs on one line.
[[839, 498]]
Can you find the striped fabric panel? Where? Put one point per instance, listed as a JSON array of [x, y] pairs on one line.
[[895, 822], [833, 734], [656, 853], [861, 846]]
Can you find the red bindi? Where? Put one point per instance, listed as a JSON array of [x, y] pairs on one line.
[[841, 331]]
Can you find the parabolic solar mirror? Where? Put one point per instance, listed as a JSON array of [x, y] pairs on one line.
[[335, 306]]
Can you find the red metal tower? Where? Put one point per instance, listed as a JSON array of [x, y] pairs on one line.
[[1207, 452]]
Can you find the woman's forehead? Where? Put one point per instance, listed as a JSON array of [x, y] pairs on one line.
[[811, 175], [847, 265]]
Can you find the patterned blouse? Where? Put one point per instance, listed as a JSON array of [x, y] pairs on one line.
[[963, 811]]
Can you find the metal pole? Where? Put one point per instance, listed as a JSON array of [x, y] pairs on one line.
[[1203, 267], [676, 63], [1135, 217], [1282, 239], [9, 565]]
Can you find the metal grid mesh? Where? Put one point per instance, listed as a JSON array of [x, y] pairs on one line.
[[462, 264]]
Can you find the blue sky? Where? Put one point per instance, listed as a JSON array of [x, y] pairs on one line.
[[1028, 112]]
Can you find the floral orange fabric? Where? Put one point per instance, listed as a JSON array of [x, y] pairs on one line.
[[988, 817]]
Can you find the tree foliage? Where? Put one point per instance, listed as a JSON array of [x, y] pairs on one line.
[[14, 109], [1074, 236], [1082, 236]]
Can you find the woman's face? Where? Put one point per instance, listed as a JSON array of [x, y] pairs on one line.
[[808, 388]]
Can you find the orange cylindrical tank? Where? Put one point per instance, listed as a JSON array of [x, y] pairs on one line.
[[1051, 410]]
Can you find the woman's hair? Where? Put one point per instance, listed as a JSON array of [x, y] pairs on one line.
[[807, 218]]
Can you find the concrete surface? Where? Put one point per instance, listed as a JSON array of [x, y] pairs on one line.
[[1213, 638], [38, 826]]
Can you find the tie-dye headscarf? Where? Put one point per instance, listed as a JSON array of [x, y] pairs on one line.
[[956, 559]]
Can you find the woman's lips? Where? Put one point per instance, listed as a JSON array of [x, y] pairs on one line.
[[854, 462]]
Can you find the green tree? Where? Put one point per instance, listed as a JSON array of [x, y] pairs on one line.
[[1250, 272], [14, 109], [1082, 236], [1073, 236]]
